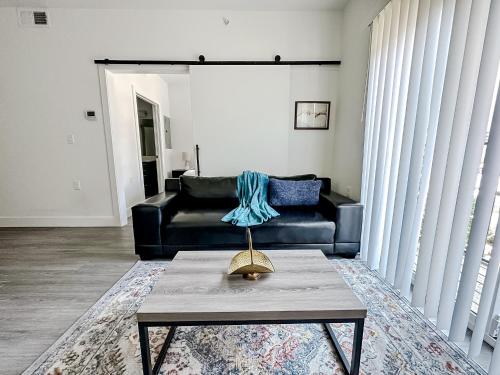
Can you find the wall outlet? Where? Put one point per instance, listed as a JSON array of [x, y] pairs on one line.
[[70, 139], [348, 191], [90, 115], [77, 185]]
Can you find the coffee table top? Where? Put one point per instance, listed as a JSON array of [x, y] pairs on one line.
[[196, 288]]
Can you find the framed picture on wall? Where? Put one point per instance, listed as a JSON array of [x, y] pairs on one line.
[[312, 115]]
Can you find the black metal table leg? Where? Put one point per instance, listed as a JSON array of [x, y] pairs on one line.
[[145, 352], [356, 346], [338, 349], [353, 367], [164, 350]]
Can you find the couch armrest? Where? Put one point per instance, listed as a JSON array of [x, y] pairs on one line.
[[150, 215], [347, 214]]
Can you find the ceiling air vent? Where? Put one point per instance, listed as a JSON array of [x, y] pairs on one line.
[[33, 17], [40, 18]]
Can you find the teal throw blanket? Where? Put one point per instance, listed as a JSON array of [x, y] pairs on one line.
[[253, 208]]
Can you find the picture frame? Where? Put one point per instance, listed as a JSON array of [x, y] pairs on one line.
[[312, 115]]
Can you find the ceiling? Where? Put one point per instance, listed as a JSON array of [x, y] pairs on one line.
[[293, 5]]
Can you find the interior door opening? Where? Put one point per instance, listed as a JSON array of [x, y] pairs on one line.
[[146, 118]]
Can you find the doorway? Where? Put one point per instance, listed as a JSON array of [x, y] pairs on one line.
[[146, 123], [133, 158]]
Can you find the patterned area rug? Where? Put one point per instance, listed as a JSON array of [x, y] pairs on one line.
[[397, 339]]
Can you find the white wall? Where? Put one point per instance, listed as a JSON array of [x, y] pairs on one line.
[[48, 79], [240, 117], [244, 119], [311, 151], [121, 89], [181, 119], [349, 130]]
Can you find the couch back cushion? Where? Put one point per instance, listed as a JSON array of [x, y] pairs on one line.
[[209, 191], [326, 184], [221, 192], [293, 192]]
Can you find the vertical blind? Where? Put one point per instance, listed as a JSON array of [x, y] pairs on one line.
[[431, 101]]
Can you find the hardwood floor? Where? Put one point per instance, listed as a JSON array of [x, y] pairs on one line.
[[48, 278]]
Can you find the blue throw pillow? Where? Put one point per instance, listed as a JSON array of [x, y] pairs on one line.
[[293, 193]]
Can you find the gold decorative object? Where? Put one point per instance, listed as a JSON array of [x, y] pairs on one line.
[[250, 263]]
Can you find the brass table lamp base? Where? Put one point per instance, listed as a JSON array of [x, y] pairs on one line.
[[250, 263]]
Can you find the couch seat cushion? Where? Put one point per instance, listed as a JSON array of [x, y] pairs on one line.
[[202, 227], [301, 225], [295, 225]]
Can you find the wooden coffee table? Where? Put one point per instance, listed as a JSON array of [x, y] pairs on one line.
[[196, 290]]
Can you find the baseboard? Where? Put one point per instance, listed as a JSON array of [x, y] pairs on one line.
[[59, 221]]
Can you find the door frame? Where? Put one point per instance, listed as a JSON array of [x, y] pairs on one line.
[[158, 139]]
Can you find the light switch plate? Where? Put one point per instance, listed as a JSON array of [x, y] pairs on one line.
[[77, 185]]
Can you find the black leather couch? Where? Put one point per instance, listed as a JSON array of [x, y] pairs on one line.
[[190, 219]]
